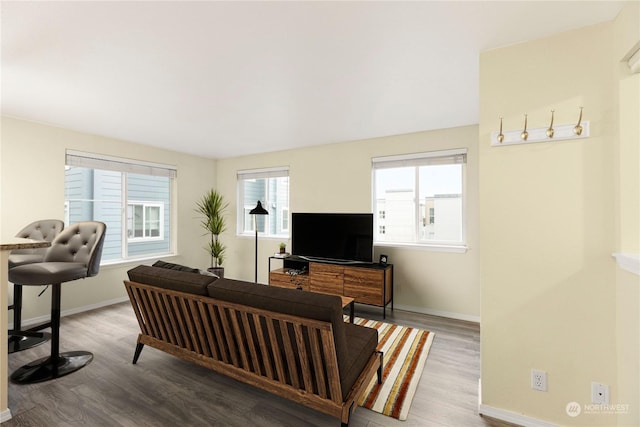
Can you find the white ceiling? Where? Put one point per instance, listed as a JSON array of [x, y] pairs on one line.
[[222, 79]]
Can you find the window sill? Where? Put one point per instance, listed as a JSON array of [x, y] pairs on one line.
[[628, 262], [458, 249], [135, 261]]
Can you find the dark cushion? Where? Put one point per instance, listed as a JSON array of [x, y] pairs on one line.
[[311, 305], [362, 343], [171, 279], [177, 267], [46, 273]]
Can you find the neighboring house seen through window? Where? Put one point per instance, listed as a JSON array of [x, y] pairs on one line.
[[271, 188], [420, 198], [145, 221], [133, 198]]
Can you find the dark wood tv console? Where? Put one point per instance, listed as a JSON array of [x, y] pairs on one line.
[[367, 283]]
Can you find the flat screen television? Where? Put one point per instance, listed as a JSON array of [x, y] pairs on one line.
[[338, 237]]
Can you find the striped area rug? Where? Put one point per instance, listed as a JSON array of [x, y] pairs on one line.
[[405, 353]]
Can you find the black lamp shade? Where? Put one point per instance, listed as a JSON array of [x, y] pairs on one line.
[[258, 210]]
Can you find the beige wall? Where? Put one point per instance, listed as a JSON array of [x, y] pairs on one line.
[[337, 178], [626, 36], [33, 159], [549, 216]]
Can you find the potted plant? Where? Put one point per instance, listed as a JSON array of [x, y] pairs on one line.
[[283, 248], [212, 207]]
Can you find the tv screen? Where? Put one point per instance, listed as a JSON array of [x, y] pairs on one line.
[[332, 236]]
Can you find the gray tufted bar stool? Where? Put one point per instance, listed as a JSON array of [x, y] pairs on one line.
[[74, 254], [46, 230]]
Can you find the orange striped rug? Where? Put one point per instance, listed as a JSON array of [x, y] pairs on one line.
[[405, 353]]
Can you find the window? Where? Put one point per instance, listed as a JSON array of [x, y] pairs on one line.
[[133, 198], [144, 221], [271, 188], [422, 198]]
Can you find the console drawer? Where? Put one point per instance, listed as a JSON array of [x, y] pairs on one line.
[[326, 278], [365, 285], [282, 279]]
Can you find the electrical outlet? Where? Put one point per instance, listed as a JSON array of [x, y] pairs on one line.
[[599, 393], [538, 380]]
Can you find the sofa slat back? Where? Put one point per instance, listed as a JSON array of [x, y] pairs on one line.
[[296, 355]]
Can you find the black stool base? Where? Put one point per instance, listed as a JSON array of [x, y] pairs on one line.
[[45, 369], [22, 340]]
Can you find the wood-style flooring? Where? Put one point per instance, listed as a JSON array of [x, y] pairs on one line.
[[162, 390]]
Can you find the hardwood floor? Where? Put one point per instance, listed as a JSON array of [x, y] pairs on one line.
[[162, 390]]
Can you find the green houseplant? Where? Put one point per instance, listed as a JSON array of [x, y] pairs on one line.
[[212, 207]]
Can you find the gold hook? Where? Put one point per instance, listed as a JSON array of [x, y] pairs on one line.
[[500, 135], [578, 128], [524, 135], [550, 131]]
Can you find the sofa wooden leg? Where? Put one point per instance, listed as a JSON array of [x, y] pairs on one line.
[[381, 367], [136, 355]]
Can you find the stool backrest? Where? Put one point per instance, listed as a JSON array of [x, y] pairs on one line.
[[79, 242], [44, 229]]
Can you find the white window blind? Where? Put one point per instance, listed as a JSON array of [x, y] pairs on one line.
[[263, 173], [118, 164], [434, 158]]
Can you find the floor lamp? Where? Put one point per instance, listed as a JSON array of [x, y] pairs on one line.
[[258, 210]]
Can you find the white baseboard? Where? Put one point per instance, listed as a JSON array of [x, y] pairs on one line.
[[26, 323], [5, 415], [439, 313], [512, 417], [508, 416]]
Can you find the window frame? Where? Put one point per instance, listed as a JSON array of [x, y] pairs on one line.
[[125, 167], [431, 158], [245, 223]]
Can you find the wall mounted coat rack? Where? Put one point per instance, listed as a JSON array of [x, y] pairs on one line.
[[549, 133]]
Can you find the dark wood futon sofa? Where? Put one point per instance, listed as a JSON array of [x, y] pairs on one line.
[[288, 342]]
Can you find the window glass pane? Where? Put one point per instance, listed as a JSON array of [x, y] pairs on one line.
[[273, 193], [140, 229], [441, 203], [151, 195], [96, 195], [395, 203], [285, 219], [152, 221], [138, 220], [419, 201]]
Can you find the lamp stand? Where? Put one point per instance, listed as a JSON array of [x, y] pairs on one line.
[[255, 225]]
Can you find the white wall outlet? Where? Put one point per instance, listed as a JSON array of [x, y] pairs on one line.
[[599, 393], [538, 380]]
